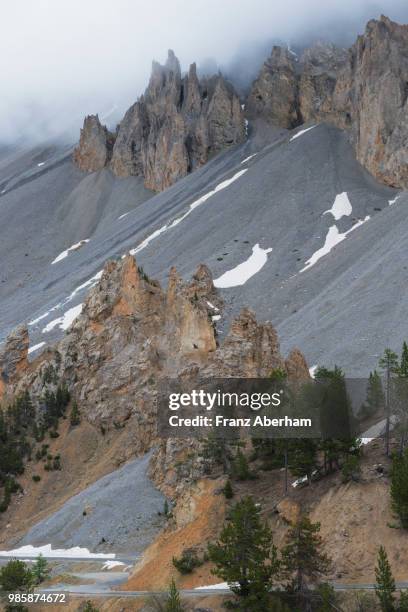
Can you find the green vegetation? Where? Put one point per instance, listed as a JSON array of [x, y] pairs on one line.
[[385, 587], [40, 569], [173, 603], [188, 561], [399, 487], [245, 556], [302, 558], [15, 576]]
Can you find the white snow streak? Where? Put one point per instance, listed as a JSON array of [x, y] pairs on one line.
[[34, 348], [47, 551], [341, 207], [220, 585], [332, 239], [248, 158], [302, 132], [74, 247], [312, 370], [40, 164], [64, 321], [192, 207], [245, 270], [108, 565], [391, 202]]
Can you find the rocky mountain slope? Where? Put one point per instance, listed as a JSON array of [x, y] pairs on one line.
[[131, 334]]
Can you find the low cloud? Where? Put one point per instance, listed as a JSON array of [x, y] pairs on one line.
[[62, 60]]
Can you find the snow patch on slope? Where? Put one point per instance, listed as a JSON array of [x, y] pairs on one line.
[[36, 347], [74, 247], [244, 271], [302, 132], [333, 238], [192, 207], [65, 320], [33, 551], [341, 207]]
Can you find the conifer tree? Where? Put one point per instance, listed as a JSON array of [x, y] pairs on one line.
[[173, 603], [375, 399], [385, 587], [40, 569], [245, 556], [302, 557], [389, 364], [404, 361], [399, 487]]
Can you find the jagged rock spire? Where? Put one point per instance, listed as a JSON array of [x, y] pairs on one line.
[[171, 130]]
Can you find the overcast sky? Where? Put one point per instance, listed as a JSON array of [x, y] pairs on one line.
[[62, 59]]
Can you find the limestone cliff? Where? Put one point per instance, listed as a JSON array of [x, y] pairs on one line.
[[363, 91], [175, 127]]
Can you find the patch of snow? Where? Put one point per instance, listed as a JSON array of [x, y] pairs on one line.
[[40, 164], [216, 317], [64, 321], [312, 370], [74, 247], [390, 202], [302, 132], [36, 347], [123, 216], [89, 283], [246, 127], [220, 585], [248, 158], [4, 191], [341, 207], [33, 551], [212, 306], [243, 106], [245, 270], [299, 481], [333, 238], [192, 207], [108, 565]]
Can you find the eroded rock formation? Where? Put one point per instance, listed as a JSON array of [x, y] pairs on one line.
[[95, 145], [130, 335], [363, 91], [172, 129]]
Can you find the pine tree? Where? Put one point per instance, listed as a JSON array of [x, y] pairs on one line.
[[89, 607], [375, 399], [389, 364], [245, 556], [173, 603], [228, 490], [404, 361], [40, 569], [385, 587], [399, 487], [75, 417], [302, 557], [15, 576], [303, 457]]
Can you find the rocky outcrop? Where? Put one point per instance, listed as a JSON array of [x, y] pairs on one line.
[[132, 334], [172, 129], [371, 96], [95, 145], [274, 95], [363, 91], [14, 356]]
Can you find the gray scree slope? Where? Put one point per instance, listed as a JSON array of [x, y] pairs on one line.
[[345, 309]]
